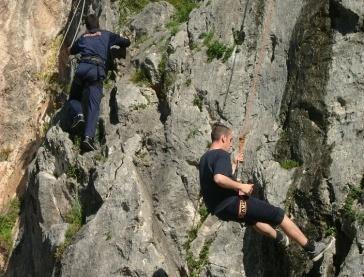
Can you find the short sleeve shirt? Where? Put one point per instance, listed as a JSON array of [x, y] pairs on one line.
[[216, 161]]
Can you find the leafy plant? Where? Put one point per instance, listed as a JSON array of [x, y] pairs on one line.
[[7, 223], [217, 50], [73, 171], [289, 164], [74, 219], [348, 210], [198, 101], [127, 8], [140, 77], [203, 212], [207, 37]]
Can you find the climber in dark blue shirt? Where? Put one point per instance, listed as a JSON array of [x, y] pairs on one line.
[[94, 48]]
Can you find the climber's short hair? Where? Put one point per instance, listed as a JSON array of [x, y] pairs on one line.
[[219, 129], [92, 22]]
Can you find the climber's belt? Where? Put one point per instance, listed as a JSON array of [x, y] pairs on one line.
[[93, 60], [242, 208]]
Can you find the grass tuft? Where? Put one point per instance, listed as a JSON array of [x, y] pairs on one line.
[[140, 77], [289, 164], [348, 210], [7, 223], [74, 219]]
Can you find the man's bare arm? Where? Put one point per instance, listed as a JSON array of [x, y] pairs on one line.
[[228, 183]]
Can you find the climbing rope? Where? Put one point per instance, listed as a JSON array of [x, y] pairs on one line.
[[247, 124], [236, 50], [70, 24]]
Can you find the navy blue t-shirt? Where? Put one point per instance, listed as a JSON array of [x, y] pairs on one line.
[[215, 161]]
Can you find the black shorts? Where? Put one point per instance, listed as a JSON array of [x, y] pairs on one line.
[[256, 211]]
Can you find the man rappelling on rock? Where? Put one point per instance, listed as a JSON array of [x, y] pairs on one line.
[[94, 47], [231, 200]]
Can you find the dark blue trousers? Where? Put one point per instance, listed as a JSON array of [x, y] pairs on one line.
[[88, 83]]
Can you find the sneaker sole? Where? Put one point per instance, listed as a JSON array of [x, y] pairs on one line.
[[319, 256]]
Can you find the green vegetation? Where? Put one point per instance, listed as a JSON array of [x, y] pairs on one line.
[[45, 127], [173, 27], [203, 212], [77, 142], [188, 82], [140, 77], [100, 157], [140, 40], [73, 171], [108, 82], [196, 265], [348, 210], [74, 219], [330, 231], [127, 8], [289, 164], [4, 154], [7, 223], [218, 50], [198, 101], [207, 37], [183, 10]]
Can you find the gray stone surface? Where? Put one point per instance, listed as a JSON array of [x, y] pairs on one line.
[[300, 67]]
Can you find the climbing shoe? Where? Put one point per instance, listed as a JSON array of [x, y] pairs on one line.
[[78, 125], [319, 248], [88, 144], [282, 240]]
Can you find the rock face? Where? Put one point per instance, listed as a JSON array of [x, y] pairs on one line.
[[28, 46], [293, 82]]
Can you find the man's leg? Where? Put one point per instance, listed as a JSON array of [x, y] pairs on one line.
[[75, 98], [265, 229], [93, 107], [292, 230], [94, 95], [75, 103]]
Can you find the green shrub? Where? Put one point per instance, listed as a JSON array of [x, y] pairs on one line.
[[73, 171], [127, 8], [348, 210], [216, 50], [74, 219], [195, 266], [207, 37], [183, 9], [289, 164], [140, 77], [7, 223], [203, 213], [228, 53], [198, 101], [173, 27]]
